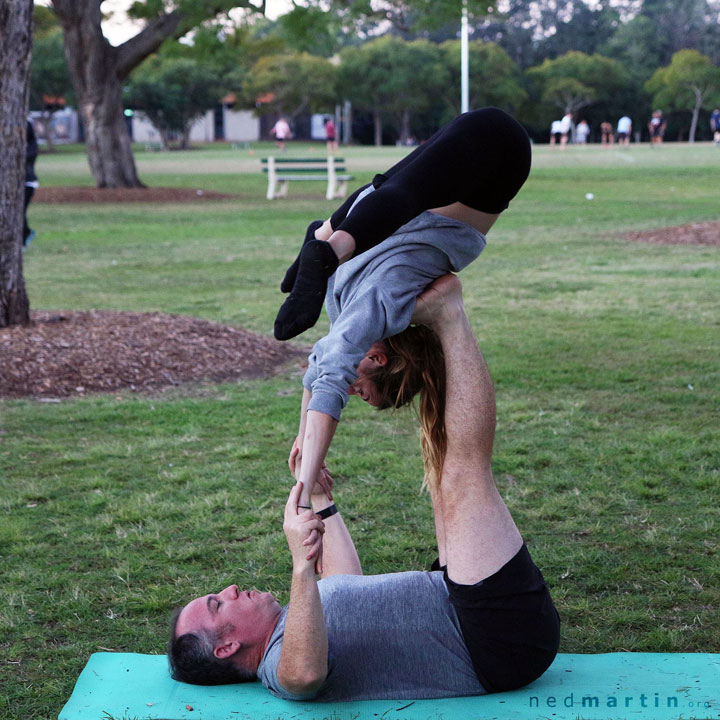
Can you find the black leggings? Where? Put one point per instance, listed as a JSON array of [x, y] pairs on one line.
[[29, 192], [481, 159]]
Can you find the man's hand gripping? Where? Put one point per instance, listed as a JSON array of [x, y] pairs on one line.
[[303, 530]]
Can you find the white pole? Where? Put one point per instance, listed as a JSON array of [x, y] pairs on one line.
[[464, 62]]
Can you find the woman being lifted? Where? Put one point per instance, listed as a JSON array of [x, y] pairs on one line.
[[425, 217]]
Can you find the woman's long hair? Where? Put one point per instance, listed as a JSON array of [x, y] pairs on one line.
[[416, 364]]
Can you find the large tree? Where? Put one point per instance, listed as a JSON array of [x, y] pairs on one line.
[[494, 79], [15, 49], [690, 82], [576, 80], [393, 79], [292, 84], [98, 71], [661, 28], [534, 30]]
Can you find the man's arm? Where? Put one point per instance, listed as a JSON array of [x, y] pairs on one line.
[[303, 661]]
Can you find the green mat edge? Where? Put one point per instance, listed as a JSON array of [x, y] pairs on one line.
[[692, 678]]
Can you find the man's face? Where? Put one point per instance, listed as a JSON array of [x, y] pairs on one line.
[[252, 615]]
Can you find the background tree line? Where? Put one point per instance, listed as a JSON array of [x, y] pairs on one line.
[[538, 60], [394, 60]]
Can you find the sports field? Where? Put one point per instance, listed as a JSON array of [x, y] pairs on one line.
[[605, 353]]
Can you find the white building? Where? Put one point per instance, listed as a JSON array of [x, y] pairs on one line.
[[220, 124]]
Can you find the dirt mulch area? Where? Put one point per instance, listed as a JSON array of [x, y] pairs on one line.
[[124, 195], [704, 233], [72, 353]]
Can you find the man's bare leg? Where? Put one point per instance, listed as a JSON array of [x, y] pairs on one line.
[[479, 533]]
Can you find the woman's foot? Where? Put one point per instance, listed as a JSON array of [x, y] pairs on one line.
[[303, 306], [440, 304], [291, 274]]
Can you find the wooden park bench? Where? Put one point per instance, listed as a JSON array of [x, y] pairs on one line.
[[282, 171]]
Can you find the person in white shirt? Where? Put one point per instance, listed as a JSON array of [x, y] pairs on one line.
[[624, 128], [581, 132], [555, 131], [281, 131], [565, 128]]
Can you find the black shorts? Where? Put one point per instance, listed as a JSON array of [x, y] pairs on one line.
[[509, 623]]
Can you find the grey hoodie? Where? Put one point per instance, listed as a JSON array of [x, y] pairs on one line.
[[372, 297]]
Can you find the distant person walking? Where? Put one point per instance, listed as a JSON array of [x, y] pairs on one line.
[[581, 132], [31, 179], [281, 131], [624, 128], [565, 128], [657, 126], [715, 125], [331, 134], [606, 133], [555, 131]]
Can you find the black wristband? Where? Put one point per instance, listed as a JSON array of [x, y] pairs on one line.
[[327, 512]]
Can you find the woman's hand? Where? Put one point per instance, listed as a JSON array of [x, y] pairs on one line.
[[324, 482], [295, 458]]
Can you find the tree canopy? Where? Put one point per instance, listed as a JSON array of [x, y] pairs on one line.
[[291, 84], [495, 79], [174, 92], [690, 82], [575, 80]]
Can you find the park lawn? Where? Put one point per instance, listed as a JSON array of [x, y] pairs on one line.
[[115, 508]]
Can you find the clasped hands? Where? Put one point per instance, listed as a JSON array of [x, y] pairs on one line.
[[303, 529]]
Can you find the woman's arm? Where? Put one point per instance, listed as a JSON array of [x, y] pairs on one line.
[[319, 431], [295, 459]]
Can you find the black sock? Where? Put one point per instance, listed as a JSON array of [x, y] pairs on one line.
[[289, 280], [303, 306]]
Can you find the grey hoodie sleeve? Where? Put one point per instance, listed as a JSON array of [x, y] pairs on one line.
[[360, 324], [313, 369]]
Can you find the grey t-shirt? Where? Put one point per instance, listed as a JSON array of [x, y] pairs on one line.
[[372, 297], [393, 636]]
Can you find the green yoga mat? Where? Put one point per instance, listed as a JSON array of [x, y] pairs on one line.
[[614, 686]]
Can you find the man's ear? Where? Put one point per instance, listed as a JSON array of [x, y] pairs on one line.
[[226, 649]]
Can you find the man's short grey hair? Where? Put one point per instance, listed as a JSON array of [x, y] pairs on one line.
[[192, 658]]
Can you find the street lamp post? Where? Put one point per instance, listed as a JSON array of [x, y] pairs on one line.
[[464, 62]]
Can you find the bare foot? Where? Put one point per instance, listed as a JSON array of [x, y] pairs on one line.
[[442, 302]]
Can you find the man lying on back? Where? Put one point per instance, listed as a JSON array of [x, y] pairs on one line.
[[483, 623]]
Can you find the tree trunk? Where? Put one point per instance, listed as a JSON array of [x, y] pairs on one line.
[[405, 127], [695, 114], [15, 50], [92, 63], [377, 122], [98, 70]]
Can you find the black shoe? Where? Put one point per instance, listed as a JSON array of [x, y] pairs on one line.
[[289, 280], [303, 306]]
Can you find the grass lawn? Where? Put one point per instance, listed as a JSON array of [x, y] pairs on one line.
[[116, 508]]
